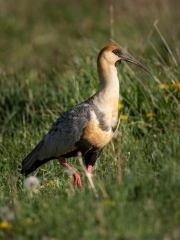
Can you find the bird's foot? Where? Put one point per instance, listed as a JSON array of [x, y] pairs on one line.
[[77, 180]]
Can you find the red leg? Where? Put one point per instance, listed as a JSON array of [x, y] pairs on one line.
[[77, 179]]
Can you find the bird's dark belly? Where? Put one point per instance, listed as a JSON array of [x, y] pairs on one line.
[[88, 151], [83, 146]]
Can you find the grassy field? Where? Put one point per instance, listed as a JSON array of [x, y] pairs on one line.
[[48, 52]]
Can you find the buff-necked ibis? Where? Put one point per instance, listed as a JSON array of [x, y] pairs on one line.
[[87, 127]]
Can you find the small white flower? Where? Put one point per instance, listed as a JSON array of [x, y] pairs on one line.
[[31, 184], [6, 214], [57, 182]]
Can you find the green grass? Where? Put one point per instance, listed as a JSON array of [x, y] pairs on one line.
[[48, 64]]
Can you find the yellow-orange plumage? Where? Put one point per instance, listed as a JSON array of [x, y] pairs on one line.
[[96, 136]]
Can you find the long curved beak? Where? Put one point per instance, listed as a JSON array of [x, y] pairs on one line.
[[127, 58]]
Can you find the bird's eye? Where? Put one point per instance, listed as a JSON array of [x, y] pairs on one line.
[[116, 52]]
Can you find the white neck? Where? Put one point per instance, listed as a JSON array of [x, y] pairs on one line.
[[107, 96]]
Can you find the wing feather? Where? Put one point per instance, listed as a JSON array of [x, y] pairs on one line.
[[62, 137]]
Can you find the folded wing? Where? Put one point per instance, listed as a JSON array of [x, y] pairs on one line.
[[61, 138]]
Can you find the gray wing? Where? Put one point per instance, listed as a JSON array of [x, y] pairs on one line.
[[62, 137]]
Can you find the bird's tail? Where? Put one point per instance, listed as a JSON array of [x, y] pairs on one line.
[[31, 162]]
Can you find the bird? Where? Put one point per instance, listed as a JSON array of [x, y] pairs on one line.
[[88, 126]]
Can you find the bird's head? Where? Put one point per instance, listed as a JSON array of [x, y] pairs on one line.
[[113, 55]]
